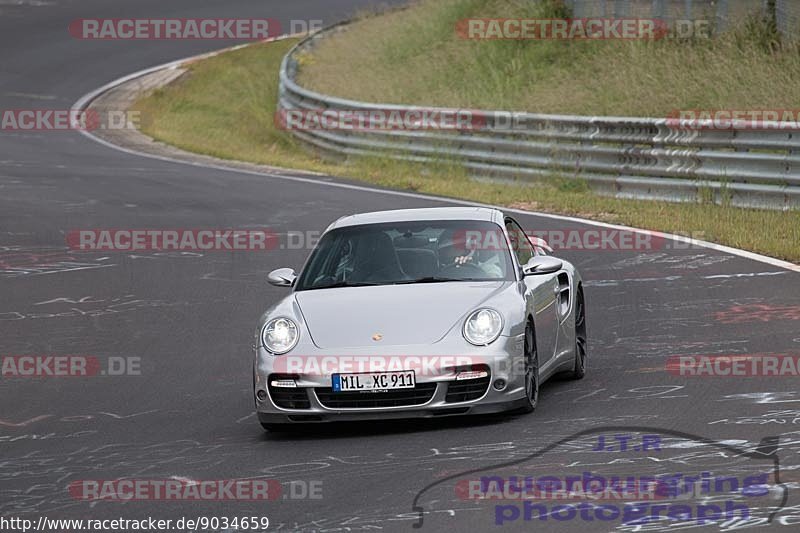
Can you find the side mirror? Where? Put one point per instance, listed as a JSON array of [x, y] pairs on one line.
[[282, 277], [543, 264]]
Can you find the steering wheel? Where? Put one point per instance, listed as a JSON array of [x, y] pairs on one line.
[[465, 270]]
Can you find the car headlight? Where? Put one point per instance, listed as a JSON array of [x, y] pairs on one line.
[[279, 335], [483, 327]]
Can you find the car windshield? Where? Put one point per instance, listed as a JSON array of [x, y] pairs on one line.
[[408, 252]]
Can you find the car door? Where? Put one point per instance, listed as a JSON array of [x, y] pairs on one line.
[[540, 295]]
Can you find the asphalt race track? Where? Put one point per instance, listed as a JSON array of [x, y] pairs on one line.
[[190, 318]]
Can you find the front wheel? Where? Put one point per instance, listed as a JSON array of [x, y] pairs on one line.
[[531, 373]]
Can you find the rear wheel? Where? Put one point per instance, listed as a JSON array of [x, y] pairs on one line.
[[580, 338], [531, 372]]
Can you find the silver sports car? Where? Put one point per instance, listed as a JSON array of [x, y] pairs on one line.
[[418, 313]]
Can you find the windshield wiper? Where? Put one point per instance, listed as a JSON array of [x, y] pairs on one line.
[[432, 279], [339, 284], [426, 279]]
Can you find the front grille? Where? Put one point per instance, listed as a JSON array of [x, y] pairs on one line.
[[468, 389], [287, 397], [419, 395]]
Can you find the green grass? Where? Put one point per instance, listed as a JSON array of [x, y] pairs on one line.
[[414, 55], [224, 106]]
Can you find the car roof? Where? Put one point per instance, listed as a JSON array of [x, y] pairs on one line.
[[420, 214]]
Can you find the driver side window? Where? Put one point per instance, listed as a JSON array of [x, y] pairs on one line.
[[520, 243]]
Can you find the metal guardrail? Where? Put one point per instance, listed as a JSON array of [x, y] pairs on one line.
[[641, 158]]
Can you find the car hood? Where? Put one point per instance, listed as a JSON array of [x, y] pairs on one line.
[[349, 317]]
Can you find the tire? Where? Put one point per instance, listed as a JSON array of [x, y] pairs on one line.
[[531, 372], [579, 369]]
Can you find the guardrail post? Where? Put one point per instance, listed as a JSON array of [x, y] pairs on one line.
[[722, 15], [622, 8], [658, 9], [787, 18], [577, 7], [771, 12]]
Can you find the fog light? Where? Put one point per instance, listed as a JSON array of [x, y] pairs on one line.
[[499, 384], [283, 383], [471, 374], [261, 395]]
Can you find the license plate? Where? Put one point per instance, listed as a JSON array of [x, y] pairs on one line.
[[370, 382]]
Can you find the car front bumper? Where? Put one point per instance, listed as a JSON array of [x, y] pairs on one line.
[[503, 360]]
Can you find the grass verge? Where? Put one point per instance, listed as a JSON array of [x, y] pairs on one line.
[[224, 107], [415, 55]]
